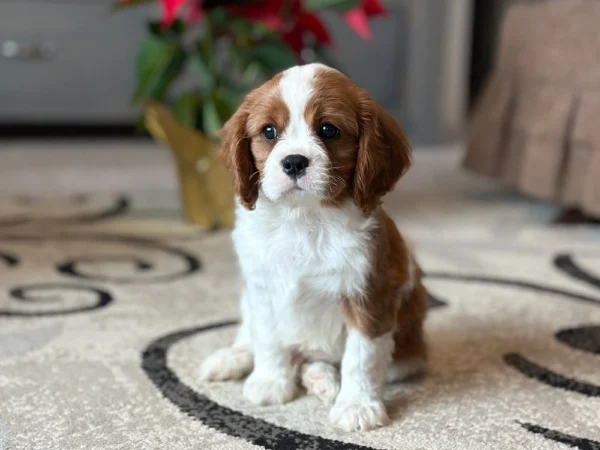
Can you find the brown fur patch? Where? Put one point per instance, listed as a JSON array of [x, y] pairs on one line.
[[236, 155], [269, 109], [243, 149], [384, 155], [383, 309], [409, 336], [334, 102], [370, 154]]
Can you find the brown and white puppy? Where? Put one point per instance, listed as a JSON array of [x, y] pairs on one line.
[[329, 281]]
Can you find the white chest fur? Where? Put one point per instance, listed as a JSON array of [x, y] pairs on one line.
[[305, 261]]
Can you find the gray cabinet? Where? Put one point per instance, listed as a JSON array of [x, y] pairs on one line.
[[68, 61]]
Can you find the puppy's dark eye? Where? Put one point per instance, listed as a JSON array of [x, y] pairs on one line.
[[328, 131], [270, 133]]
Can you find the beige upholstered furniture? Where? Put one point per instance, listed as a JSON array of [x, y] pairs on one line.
[[537, 125]]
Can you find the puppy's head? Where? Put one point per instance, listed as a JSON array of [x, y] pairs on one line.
[[310, 134]]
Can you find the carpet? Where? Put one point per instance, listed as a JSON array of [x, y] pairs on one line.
[[109, 303]]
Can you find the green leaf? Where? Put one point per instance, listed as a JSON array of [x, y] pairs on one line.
[[225, 105], [211, 122], [219, 17], [201, 67], [178, 27], [248, 29], [159, 88], [158, 63], [258, 30], [338, 5], [175, 30], [251, 73], [186, 109], [153, 56], [273, 56], [155, 28]]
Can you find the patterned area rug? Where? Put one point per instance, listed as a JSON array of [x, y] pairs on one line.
[[108, 304]]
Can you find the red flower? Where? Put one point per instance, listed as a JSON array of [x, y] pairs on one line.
[[266, 12], [289, 20], [305, 23], [358, 18], [287, 17], [170, 9]]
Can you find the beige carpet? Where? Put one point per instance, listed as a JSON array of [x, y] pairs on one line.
[[108, 304]]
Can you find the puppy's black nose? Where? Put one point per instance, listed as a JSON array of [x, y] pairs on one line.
[[294, 166]]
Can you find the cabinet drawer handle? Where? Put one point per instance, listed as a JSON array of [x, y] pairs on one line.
[[27, 50]]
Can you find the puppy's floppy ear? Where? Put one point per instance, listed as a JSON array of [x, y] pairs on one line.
[[384, 155], [236, 154]]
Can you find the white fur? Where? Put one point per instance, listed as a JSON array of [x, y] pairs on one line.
[[298, 263], [228, 363], [299, 260]]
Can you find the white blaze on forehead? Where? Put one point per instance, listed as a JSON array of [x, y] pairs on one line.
[[296, 84], [296, 87]]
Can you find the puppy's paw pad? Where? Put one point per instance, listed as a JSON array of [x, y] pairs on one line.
[[322, 381], [269, 390], [326, 390], [227, 364], [359, 416]]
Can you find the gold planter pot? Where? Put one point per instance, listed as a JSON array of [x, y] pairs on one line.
[[205, 185]]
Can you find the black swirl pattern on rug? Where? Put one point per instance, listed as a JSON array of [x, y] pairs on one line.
[[223, 419], [434, 302], [511, 282], [550, 378], [563, 438], [118, 208], [48, 292], [72, 267], [586, 338], [9, 259], [565, 263]]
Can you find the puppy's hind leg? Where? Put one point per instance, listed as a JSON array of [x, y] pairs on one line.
[[410, 351], [321, 379], [235, 362], [230, 363]]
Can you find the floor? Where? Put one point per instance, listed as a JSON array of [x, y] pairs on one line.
[[109, 302]]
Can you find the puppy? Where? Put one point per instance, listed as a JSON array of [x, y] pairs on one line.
[[331, 288]]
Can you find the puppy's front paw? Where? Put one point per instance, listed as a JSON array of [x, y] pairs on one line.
[[358, 416], [227, 364], [265, 389]]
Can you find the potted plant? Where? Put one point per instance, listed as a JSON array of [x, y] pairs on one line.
[[198, 62]]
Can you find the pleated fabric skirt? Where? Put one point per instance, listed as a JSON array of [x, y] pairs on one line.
[[536, 126]]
